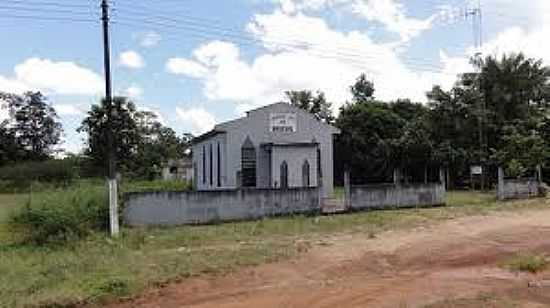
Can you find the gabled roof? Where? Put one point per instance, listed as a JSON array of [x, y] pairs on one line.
[[207, 135], [222, 127]]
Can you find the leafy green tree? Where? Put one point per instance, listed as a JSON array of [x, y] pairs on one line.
[[34, 124], [142, 143], [9, 147], [124, 127], [362, 90], [522, 150], [315, 104], [366, 145]]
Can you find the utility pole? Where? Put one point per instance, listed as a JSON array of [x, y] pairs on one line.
[[111, 181], [477, 27]]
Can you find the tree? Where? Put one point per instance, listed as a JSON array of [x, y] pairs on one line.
[[142, 143], [9, 147], [522, 150], [34, 123], [367, 142], [124, 127], [315, 104], [362, 90]]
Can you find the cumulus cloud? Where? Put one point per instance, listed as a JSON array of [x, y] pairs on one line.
[[131, 59], [186, 67], [390, 13], [134, 91], [13, 85], [52, 77], [197, 120], [69, 110], [149, 39], [529, 38], [320, 58]]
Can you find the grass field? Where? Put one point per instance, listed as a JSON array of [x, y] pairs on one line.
[[9, 203], [99, 268]]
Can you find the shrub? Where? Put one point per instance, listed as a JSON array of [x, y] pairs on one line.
[[19, 177], [528, 263], [158, 185], [62, 215]]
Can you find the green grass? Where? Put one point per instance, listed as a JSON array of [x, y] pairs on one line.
[[526, 262], [98, 268], [10, 203]]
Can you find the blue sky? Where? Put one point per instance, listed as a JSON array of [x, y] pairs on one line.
[[198, 62]]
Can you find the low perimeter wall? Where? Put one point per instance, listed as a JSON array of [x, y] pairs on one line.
[[387, 196], [517, 189], [180, 208]]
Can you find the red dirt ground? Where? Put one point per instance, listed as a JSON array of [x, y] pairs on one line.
[[454, 264]]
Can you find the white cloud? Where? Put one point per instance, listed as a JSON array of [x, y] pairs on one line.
[[197, 120], [186, 67], [320, 58], [390, 13], [134, 92], [52, 77], [12, 86], [68, 110], [150, 39], [529, 38], [155, 111], [131, 59]]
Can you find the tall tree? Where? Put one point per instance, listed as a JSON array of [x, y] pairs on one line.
[[366, 145], [315, 104], [124, 128], [142, 142], [34, 123], [362, 90], [10, 149]]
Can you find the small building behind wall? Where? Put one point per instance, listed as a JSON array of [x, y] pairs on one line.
[[276, 146], [178, 169]]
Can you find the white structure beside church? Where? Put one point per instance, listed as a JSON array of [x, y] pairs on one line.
[[276, 146]]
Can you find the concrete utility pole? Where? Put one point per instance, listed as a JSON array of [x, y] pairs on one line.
[[112, 181], [477, 27]]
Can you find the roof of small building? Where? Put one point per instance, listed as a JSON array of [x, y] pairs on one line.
[[220, 128]]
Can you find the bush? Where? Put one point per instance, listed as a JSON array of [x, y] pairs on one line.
[[18, 177], [528, 263], [62, 215], [158, 185]]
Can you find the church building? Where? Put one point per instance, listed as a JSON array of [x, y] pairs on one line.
[[276, 146]]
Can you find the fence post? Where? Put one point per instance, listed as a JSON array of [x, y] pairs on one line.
[[113, 208], [320, 193], [347, 190], [397, 177], [500, 190], [442, 179]]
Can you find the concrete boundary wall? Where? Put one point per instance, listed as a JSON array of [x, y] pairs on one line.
[[523, 188], [387, 196], [181, 208], [510, 189]]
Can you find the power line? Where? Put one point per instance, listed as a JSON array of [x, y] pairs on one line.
[[352, 61], [341, 50]]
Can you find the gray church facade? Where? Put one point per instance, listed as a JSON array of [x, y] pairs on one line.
[[276, 146]]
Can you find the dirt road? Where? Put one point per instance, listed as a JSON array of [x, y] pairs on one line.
[[454, 264]]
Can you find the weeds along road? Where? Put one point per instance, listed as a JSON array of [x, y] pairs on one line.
[[455, 263]]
